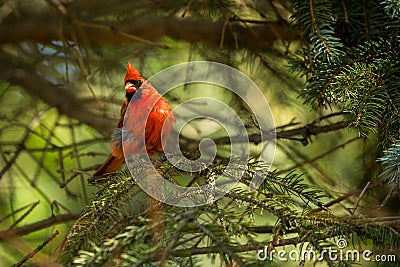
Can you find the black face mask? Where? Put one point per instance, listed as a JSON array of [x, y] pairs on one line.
[[137, 84]]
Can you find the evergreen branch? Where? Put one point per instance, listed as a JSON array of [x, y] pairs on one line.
[[182, 223], [392, 8], [361, 81], [391, 161], [314, 18], [255, 202], [315, 26], [221, 246], [343, 67], [292, 183]]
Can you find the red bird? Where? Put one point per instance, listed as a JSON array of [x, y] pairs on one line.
[[138, 118]]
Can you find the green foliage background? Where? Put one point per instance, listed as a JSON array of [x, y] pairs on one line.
[[329, 68]]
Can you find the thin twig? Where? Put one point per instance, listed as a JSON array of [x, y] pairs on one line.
[[330, 115], [187, 7], [393, 189], [330, 151], [349, 194], [34, 252], [293, 152], [14, 212], [353, 210], [116, 31], [43, 224], [346, 15], [82, 65], [21, 143], [63, 99], [34, 204], [221, 44], [253, 21], [56, 204]]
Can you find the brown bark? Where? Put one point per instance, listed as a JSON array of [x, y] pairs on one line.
[[45, 28]]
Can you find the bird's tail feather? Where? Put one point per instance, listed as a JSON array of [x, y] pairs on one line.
[[111, 164]]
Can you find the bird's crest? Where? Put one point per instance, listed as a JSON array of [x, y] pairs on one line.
[[131, 73]]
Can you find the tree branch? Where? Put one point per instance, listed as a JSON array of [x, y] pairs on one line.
[[45, 27], [17, 73], [305, 132], [33, 227], [311, 129]]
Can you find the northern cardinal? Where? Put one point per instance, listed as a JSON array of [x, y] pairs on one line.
[[138, 118]]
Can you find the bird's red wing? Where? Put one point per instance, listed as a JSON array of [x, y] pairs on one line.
[[146, 116], [163, 119]]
